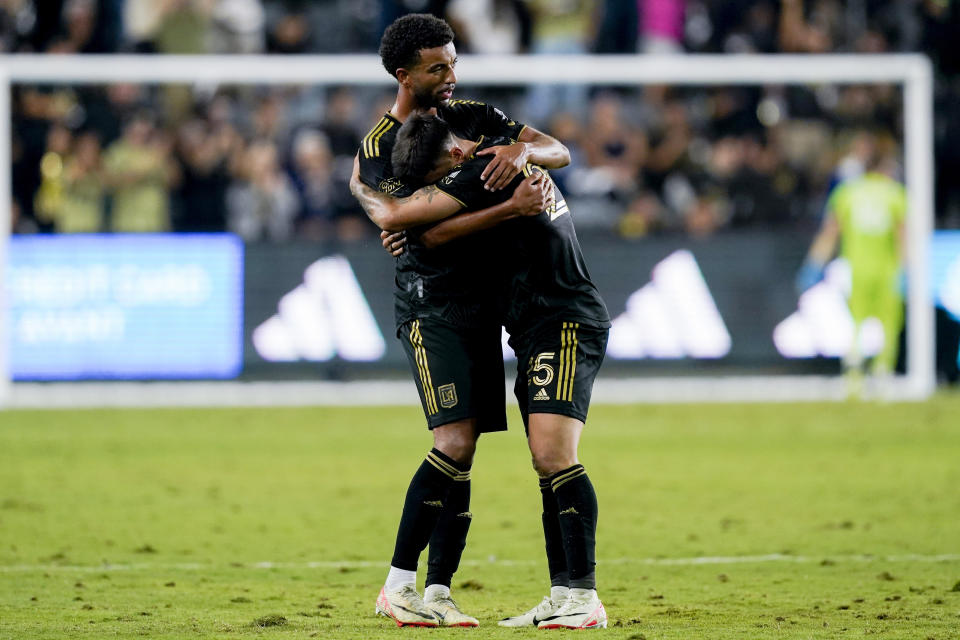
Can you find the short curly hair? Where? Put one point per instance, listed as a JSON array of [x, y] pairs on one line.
[[402, 41], [420, 142]]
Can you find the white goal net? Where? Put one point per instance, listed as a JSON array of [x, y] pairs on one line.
[[911, 73]]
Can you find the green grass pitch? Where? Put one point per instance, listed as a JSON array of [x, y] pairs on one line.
[[716, 521]]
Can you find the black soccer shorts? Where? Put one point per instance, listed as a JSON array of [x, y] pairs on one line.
[[459, 372], [557, 363]]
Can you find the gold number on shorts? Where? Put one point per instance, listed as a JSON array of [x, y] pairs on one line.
[[539, 367]]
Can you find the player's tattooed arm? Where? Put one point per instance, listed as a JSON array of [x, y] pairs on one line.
[[530, 198], [424, 206], [508, 160]]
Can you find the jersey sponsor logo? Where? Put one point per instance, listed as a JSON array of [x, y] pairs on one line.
[[325, 316], [389, 185], [448, 395], [673, 316]]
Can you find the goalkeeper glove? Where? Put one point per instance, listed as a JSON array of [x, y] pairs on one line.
[[811, 272]]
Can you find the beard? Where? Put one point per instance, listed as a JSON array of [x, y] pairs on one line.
[[427, 99]]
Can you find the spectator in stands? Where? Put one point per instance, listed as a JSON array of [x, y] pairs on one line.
[[82, 210], [559, 28], [662, 25], [311, 172], [79, 23], [288, 27], [614, 145], [262, 204], [237, 26], [139, 171], [205, 154], [645, 215], [493, 27], [617, 27], [816, 35], [48, 201], [167, 26]]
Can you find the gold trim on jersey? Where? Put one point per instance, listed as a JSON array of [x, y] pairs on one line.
[[371, 142], [568, 361], [557, 209], [559, 481], [420, 354], [449, 195], [447, 468]]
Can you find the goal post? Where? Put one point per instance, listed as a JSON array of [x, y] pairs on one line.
[[911, 71]]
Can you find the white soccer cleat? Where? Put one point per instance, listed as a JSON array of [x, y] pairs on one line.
[[579, 611], [449, 614], [531, 618], [405, 607]]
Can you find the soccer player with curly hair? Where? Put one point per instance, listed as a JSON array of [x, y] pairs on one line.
[[447, 313]]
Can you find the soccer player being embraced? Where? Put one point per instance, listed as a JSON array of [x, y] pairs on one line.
[[558, 327], [446, 314]]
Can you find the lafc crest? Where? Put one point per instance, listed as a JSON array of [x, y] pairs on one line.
[[448, 395]]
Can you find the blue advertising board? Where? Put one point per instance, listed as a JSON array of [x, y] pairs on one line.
[[130, 306]]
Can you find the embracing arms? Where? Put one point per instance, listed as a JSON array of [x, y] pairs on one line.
[[532, 147], [429, 204]]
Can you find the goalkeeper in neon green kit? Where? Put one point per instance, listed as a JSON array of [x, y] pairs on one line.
[[866, 215]]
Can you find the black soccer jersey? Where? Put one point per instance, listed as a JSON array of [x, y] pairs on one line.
[[449, 282], [548, 278]]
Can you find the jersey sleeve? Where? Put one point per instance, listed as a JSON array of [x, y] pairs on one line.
[[472, 119], [375, 172], [496, 123], [372, 170], [464, 185]]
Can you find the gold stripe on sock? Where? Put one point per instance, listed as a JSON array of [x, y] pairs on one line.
[[568, 476]]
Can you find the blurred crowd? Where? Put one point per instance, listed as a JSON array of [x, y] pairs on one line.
[[273, 163]]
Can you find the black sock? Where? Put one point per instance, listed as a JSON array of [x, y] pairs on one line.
[[450, 535], [577, 504], [426, 496], [553, 537]]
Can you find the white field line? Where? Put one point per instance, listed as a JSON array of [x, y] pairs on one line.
[[659, 390], [365, 564]]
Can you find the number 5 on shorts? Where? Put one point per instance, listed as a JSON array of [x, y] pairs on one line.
[[541, 368]]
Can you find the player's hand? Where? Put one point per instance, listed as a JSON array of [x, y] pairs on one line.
[[533, 195], [508, 161], [810, 273], [394, 243]]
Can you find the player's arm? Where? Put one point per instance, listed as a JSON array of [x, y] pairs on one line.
[[533, 147], [530, 198], [821, 251], [424, 206]]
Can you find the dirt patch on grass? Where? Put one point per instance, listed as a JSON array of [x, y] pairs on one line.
[[273, 620]]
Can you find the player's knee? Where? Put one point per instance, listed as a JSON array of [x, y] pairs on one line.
[[456, 441], [548, 462], [461, 451]]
